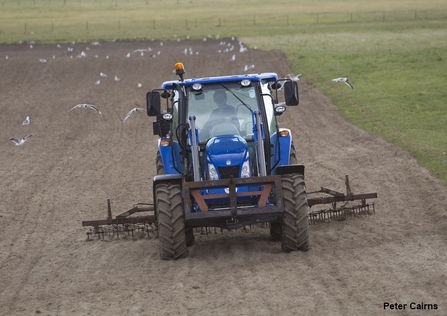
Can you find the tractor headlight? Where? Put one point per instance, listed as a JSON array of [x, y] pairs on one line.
[[245, 172], [212, 173]]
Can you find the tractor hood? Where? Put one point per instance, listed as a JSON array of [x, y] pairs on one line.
[[227, 154]]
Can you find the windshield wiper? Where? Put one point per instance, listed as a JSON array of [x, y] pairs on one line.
[[234, 94]]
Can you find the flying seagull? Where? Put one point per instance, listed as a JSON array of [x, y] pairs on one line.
[[26, 121], [345, 80], [131, 111], [294, 77], [20, 142], [84, 105]]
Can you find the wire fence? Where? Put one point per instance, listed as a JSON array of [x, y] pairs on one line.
[[151, 25]]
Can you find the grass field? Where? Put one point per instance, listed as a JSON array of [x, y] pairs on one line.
[[395, 53]]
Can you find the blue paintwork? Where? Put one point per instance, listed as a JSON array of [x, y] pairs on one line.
[[227, 151], [269, 77], [166, 157], [283, 155]]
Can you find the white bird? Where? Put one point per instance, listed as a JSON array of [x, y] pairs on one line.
[[131, 111], [247, 67], [26, 121], [139, 85], [102, 74], [140, 50], [294, 77], [117, 79], [20, 142], [233, 58], [42, 60], [345, 80], [85, 105], [128, 55], [98, 82]]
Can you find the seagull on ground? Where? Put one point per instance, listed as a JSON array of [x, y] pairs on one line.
[[85, 105], [102, 74], [26, 121], [294, 77], [117, 79], [233, 58], [345, 80], [98, 82], [131, 111], [20, 142]]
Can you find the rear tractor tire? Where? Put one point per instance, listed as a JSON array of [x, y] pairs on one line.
[[171, 222], [295, 222]]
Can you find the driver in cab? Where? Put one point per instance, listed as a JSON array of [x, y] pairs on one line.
[[224, 113]]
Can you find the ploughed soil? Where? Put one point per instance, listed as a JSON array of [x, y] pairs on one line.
[[75, 160]]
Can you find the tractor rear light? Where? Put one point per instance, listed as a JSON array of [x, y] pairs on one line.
[[165, 142], [284, 133]]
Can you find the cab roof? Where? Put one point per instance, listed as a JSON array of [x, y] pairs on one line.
[[266, 77]]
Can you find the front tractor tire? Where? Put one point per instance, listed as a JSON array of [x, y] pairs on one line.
[[171, 222], [295, 222]]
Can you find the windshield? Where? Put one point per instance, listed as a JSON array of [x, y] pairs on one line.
[[222, 109]]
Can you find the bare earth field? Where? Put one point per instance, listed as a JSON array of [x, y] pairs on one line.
[[74, 161]]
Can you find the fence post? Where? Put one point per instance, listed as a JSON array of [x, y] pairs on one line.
[[318, 18]]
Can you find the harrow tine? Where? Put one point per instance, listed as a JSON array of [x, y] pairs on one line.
[[341, 213]]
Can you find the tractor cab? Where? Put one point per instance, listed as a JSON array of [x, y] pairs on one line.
[[223, 118]]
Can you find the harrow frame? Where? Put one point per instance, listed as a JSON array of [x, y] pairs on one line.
[[127, 224]]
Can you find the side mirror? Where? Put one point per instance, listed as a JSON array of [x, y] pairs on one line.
[[291, 94], [153, 103]]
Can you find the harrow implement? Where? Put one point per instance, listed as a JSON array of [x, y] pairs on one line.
[[123, 223], [130, 221], [344, 211]]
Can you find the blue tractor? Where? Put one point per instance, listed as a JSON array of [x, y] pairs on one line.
[[223, 160]]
